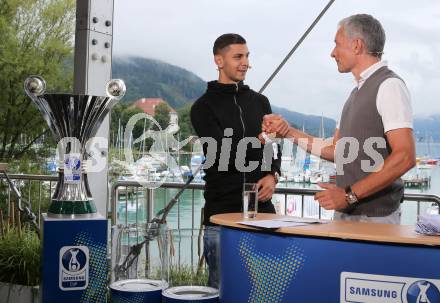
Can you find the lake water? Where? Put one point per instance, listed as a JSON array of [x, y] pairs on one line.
[[191, 202]]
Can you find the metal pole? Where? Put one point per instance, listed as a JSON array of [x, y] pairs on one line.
[[296, 46], [92, 70]]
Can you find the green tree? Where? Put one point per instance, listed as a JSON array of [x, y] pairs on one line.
[[186, 128], [162, 115], [36, 39], [120, 116]]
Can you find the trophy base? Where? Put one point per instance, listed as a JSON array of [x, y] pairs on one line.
[[72, 208]]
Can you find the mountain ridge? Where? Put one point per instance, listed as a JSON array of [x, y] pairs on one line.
[[151, 78]]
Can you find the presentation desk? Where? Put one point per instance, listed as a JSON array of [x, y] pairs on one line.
[[336, 262]]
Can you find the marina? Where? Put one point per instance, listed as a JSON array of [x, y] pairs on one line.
[[417, 182], [187, 213]]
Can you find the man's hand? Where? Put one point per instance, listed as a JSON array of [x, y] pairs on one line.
[[266, 187], [332, 197], [275, 124]]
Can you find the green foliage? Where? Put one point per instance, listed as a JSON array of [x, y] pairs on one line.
[[186, 128], [186, 275], [20, 257], [121, 114], [36, 39], [38, 193], [147, 78], [162, 115]]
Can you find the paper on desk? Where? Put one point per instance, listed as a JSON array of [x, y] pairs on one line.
[[301, 220], [428, 225], [271, 223]]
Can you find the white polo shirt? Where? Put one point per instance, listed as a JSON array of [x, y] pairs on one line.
[[393, 100]]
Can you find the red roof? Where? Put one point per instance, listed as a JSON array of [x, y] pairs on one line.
[[148, 105]]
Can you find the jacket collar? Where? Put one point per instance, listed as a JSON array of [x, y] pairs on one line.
[[215, 86]]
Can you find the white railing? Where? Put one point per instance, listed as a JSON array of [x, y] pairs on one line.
[[132, 203]]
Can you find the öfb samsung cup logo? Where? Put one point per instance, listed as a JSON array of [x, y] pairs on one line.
[[423, 291], [72, 163], [74, 260], [72, 169], [74, 267]]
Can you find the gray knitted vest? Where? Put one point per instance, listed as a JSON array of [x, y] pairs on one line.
[[361, 120]]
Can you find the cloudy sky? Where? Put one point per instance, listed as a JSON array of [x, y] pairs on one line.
[[182, 33]]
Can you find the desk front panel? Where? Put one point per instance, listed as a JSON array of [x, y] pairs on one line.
[[269, 267]]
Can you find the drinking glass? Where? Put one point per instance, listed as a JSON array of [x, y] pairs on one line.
[[250, 200]]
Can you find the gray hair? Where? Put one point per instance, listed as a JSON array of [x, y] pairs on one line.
[[367, 28]]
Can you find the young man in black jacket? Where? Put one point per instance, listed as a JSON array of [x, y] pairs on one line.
[[231, 115]]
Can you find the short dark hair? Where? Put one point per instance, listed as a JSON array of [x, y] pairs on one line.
[[225, 40]]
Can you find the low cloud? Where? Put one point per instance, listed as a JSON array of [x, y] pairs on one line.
[[182, 33]]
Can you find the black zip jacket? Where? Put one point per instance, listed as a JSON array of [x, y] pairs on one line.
[[241, 109]]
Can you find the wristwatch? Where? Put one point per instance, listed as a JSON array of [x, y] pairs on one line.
[[350, 196], [276, 176]]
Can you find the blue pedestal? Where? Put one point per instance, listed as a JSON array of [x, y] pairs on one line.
[[136, 297], [270, 267], [75, 268]]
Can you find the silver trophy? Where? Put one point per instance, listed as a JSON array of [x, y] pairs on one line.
[[73, 120]]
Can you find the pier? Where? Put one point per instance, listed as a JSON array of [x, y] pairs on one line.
[[417, 182]]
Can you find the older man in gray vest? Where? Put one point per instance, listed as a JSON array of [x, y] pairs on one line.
[[373, 144]]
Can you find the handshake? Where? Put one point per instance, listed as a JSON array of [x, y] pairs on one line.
[[273, 126]]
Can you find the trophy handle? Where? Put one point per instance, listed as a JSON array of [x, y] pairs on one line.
[[34, 86], [115, 88]]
